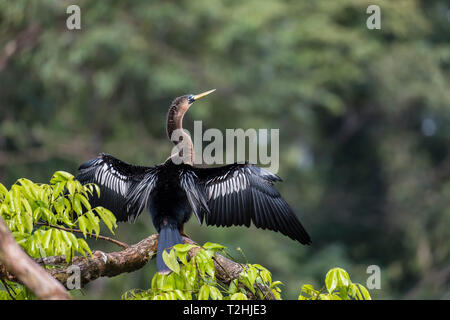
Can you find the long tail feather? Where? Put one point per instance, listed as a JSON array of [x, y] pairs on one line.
[[168, 237]]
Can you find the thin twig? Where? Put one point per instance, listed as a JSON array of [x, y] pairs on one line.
[[121, 244]]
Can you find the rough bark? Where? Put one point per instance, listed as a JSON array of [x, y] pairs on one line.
[[18, 265]]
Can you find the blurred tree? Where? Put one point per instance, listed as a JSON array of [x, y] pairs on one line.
[[364, 116]]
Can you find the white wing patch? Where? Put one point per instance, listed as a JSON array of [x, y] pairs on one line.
[[112, 179], [225, 186]]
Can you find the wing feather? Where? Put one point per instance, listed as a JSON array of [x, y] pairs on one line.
[[124, 188], [239, 194], [195, 193]]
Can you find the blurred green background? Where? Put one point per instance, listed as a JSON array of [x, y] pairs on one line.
[[364, 118]]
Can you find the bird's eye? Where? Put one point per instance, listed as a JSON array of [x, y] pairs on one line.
[[191, 98]]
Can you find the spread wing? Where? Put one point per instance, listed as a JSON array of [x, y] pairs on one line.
[[239, 194], [124, 188], [194, 190]]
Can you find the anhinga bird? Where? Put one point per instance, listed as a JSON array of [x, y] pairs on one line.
[[235, 194]]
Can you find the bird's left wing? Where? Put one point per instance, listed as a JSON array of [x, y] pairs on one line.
[[124, 188]]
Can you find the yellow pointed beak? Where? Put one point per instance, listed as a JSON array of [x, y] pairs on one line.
[[201, 95]]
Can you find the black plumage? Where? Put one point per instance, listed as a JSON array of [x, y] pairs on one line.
[[118, 181], [236, 194], [239, 194]]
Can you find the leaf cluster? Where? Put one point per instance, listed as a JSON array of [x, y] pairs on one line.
[[338, 286], [45, 218], [195, 279]]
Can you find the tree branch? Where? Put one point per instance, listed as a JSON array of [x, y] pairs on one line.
[[16, 262], [136, 256]]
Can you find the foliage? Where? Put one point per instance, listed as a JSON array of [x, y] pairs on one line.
[[43, 217], [195, 279], [339, 287]]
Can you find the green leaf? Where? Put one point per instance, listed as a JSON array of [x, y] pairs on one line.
[[48, 215], [308, 290], [233, 286], [84, 201], [15, 198], [107, 217], [66, 238], [214, 293], [158, 281], [77, 205], [204, 263], [163, 282], [58, 188], [59, 205], [184, 247], [67, 204], [180, 295], [213, 246], [19, 223], [82, 224], [191, 273], [4, 295], [171, 295], [182, 256], [275, 284], [28, 216], [180, 280], [65, 218], [61, 176], [238, 296], [46, 237], [28, 188], [204, 292], [337, 278], [170, 259], [56, 241], [3, 190], [209, 268], [83, 246], [73, 240], [93, 222], [71, 187], [252, 274], [361, 292], [247, 277]]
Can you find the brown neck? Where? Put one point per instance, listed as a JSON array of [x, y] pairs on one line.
[[175, 124], [174, 121]]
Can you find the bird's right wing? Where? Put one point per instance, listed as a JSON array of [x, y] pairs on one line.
[[124, 188]]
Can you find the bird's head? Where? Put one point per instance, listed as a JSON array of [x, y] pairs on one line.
[[178, 108], [181, 104], [194, 97]]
